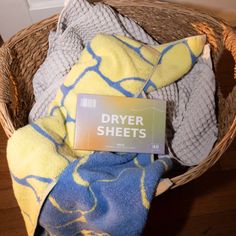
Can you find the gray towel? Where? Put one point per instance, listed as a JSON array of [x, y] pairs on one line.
[[191, 120]]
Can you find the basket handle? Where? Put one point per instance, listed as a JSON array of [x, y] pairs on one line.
[[229, 36], [5, 90], [163, 186], [5, 61]]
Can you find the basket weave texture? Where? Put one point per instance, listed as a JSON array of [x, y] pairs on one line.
[[21, 56]]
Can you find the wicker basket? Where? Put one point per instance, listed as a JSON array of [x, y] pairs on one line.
[[22, 55]]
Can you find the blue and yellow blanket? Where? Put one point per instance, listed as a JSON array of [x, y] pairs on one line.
[[65, 192]]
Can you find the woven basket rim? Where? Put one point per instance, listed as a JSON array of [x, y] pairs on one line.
[[20, 35]]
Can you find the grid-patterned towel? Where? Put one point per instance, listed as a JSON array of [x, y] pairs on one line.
[[191, 123]]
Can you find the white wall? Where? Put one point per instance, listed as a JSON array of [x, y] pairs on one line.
[[18, 14], [41, 4], [40, 9], [14, 15]]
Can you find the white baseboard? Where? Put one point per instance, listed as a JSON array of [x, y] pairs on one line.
[[41, 9], [40, 14], [44, 4]]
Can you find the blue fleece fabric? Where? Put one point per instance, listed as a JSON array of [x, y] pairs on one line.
[[109, 194]]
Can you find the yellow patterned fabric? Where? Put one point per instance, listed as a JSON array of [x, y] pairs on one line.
[[119, 66], [43, 164]]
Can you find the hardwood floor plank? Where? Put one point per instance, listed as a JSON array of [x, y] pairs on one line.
[[5, 182], [7, 199], [210, 225], [229, 161], [11, 222]]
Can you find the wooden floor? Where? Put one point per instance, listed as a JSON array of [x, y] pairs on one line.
[[206, 206]]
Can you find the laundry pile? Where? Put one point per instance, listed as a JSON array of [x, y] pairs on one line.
[[94, 50]]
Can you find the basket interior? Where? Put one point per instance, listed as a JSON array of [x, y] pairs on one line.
[[163, 21]]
